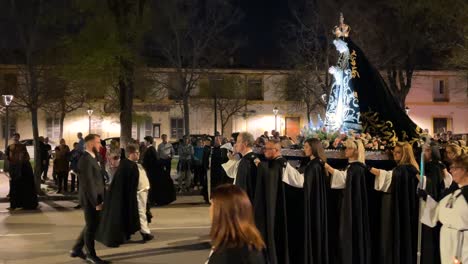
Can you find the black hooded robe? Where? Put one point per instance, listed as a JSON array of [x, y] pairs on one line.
[[22, 185], [435, 187], [315, 213], [246, 176], [355, 242], [120, 218], [162, 190], [271, 215], [218, 175], [399, 218]]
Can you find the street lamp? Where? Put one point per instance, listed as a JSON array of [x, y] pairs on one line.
[[275, 112], [90, 113], [7, 99]]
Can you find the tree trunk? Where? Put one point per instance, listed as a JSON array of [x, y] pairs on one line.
[[216, 115], [308, 114], [126, 92], [186, 115], [62, 120], [37, 158]]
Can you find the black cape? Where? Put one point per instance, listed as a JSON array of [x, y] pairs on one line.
[[354, 231], [22, 188], [399, 221], [237, 256], [247, 175], [435, 187], [270, 210], [162, 190], [315, 213], [120, 218], [381, 113], [22, 185], [218, 175]]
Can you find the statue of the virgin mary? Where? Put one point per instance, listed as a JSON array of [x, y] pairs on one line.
[[343, 107], [360, 99]]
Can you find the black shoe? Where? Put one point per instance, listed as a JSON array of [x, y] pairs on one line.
[[147, 237], [96, 260], [77, 254]]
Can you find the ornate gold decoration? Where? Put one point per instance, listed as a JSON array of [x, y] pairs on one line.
[[354, 71], [341, 31], [372, 124]]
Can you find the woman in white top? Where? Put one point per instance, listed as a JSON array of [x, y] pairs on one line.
[[452, 212], [354, 239]]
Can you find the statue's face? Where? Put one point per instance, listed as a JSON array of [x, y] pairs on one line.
[[341, 46]]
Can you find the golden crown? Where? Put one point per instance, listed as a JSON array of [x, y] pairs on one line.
[[341, 31]]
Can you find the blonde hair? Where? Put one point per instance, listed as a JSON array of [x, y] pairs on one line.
[[407, 156], [455, 149], [358, 146]]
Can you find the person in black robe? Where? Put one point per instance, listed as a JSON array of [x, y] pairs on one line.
[[218, 157], [205, 166], [244, 171], [22, 188], [162, 190], [315, 204], [399, 208], [271, 207], [120, 218], [437, 186], [354, 242]]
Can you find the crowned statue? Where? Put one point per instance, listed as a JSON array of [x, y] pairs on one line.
[[360, 99], [343, 107]]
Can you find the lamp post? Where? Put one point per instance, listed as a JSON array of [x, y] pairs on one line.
[[7, 99], [275, 112], [90, 113]]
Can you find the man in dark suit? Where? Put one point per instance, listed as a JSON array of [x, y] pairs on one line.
[[91, 195]]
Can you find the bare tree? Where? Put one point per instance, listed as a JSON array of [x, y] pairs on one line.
[[188, 36], [64, 98], [31, 34], [228, 108], [309, 53]]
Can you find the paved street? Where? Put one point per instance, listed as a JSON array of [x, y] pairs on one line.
[[46, 235]]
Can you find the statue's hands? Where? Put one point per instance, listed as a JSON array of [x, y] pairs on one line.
[[332, 70]]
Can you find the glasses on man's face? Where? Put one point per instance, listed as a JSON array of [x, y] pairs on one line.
[[454, 168], [269, 148]]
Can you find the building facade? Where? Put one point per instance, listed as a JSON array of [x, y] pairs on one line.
[[438, 101]]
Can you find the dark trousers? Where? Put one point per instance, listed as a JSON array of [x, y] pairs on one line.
[[62, 178], [86, 237], [198, 174], [74, 179], [45, 169], [166, 165], [204, 184]]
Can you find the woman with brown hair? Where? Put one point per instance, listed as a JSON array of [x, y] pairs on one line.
[[315, 204], [234, 237], [399, 208]]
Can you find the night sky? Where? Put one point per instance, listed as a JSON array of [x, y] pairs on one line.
[[262, 24]]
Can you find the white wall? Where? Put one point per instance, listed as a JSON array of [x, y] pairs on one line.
[[422, 107]]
